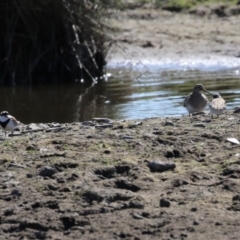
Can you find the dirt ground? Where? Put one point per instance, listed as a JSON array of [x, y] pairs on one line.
[[155, 36], [93, 180]]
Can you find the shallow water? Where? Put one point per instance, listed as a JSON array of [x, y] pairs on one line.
[[131, 92]]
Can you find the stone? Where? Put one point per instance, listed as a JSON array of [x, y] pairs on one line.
[[168, 123], [102, 120], [199, 125], [47, 171], [236, 110], [164, 203], [104, 126], [158, 166]]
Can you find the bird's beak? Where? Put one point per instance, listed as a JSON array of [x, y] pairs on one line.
[[207, 91]]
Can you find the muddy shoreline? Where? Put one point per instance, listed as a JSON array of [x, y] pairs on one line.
[[91, 180], [161, 37]]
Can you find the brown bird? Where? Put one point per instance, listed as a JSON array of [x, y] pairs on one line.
[[217, 105], [196, 101]]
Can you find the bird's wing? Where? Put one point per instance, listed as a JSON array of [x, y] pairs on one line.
[[185, 101], [14, 119], [218, 103]]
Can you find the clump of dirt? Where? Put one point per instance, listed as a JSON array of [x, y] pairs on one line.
[[91, 180]]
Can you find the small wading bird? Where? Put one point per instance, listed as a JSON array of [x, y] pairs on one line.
[[196, 101], [217, 105], [8, 122]]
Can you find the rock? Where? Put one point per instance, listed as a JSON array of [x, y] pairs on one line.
[[53, 187], [133, 204], [158, 166], [54, 125], [68, 221], [137, 216], [169, 154], [198, 113], [124, 184], [111, 171], [233, 140], [168, 123], [16, 192], [32, 126], [107, 151], [47, 171], [8, 212], [164, 203], [233, 170], [99, 195], [31, 147], [16, 165], [40, 235], [102, 120], [175, 153], [36, 205], [53, 154], [55, 129], [126, 137], [236, 110], [88, 123], [104, 126], [236, 202], [199, 125], [193, 209], [134, 125]]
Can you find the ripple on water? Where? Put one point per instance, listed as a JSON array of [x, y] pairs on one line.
[[132, 91]]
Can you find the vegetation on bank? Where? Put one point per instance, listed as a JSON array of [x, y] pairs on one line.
[[57, 40]]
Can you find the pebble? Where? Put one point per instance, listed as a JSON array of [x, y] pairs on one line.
[[102, 120], [137, 216], [198, 113], [168, 123], [54, 125], [134, 124], [55, 129], [104, 126], [31, 147], [199, 125], [88, 123], [233, 140], [47, 171], [236, 110], [33, 127], [158, 166], [164, 203], [16, 165], [126, 137], [16, 192]]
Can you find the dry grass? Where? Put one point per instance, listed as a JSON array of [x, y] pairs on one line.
[[56, 40]]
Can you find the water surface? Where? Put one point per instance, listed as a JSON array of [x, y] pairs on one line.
[[129, 93]]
